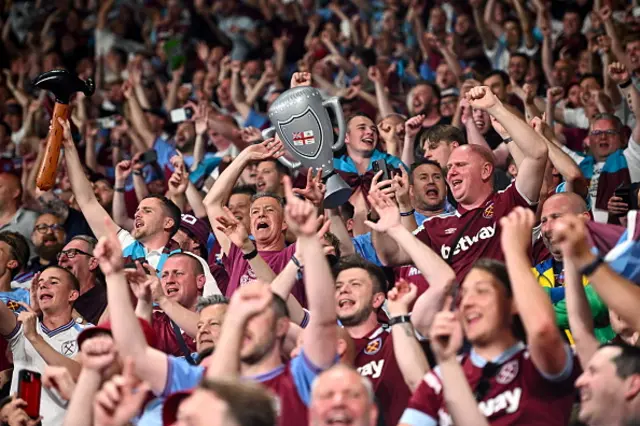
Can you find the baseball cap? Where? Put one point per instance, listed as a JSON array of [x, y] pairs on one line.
[[450, 92], [196, 228], [171, 405], [105, 327]]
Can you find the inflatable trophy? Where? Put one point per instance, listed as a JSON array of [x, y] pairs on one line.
[[300, 119]]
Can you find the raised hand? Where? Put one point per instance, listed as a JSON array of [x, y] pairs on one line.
[[33, 293], [618, 73], [374, 74], [529, 93], [446, 333], [605, 13], [98, 353], [555, 94], [250, 300], [570, 233], [381, 187], [315, 189], [235, 231], [482, 97], [271, 148], [516, 230], [59, 378], [120, 399], [401, 297], [466, 113], [201, 118], [617, 206], [387, 210], [108, 251], [401, 188], [251, 135], [141, 282], [123, 170], [301, 215], [29, 320], [413, 126], [301, 79], [178, 182], [67, 138]]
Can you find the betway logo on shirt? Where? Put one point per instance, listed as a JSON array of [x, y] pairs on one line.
[[466, 241], [373, 369], [508, 401]]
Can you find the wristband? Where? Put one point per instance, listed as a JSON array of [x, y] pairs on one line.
[[591, 267], [625, 84], [137, 172], [400, 319], [251, 254], [507, 140], [119, 189], [296, 262], [409, 213]]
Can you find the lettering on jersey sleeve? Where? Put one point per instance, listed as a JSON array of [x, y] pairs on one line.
[[466, 242], [432, 381], [373, 369]]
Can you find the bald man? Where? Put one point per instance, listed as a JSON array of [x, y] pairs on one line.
[[550, 272], [342, 395], [12, 216]]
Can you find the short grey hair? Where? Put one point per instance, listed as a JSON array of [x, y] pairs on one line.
[[214, 299], [273, 195], [91, 242], [366, 383]]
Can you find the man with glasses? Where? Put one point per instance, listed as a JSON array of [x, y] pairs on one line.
[[48, 238], [77, 258], [609, 166]]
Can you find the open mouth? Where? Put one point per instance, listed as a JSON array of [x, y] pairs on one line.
[[456, 183], [171, 290], [346, 303], [45, 297], [260, 185], [262, 225], [472, 318], [138, 224], [432, 192], [339, 418], [368, 141]]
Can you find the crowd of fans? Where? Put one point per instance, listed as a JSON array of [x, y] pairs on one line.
[[179, 274]]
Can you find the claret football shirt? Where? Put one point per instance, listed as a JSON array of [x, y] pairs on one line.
[[518, 393], [479, 229]]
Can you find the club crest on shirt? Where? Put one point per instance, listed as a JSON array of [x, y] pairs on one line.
[[450, 231], [14, 306], [373, 346], [507, 373], [488, 212], [69, 347]]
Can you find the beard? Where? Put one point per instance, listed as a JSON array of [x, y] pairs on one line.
[[259, 352], [357, 318], [49, 252]]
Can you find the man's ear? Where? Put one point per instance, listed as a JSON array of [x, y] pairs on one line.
[[282, 327], [632, 386], [378, 299], [346, 138], [169, 223], [455, 144], [341, 347], [93, 264], [487, 171], [200, 282], [13, 264], [73, 295]]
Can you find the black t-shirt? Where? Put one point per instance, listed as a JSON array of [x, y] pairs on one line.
[[92, 304], [76, 225]]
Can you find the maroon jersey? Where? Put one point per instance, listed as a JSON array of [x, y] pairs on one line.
[[480, 229], [375, 359], [413, 275], [240, 272], [166, 339], [518, 393], [291, 385]]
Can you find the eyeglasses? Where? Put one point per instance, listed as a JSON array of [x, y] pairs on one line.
[[71, 253], [43, 228], [488, 372], [596, 133]]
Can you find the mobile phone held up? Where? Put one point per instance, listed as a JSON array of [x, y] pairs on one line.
[[29, 390], [181, 114], [381, 165], [148, 157]]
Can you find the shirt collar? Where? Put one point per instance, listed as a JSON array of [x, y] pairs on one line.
[[480, 362]]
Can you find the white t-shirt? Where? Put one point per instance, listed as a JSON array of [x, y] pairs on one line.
[[63, 340]]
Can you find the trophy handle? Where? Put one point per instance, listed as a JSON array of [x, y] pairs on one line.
[[270, 133], [334, 104]]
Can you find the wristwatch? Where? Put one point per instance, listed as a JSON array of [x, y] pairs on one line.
[[400, 319]]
